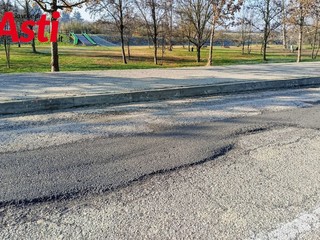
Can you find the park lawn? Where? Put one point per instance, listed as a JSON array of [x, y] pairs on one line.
[[79, 58]]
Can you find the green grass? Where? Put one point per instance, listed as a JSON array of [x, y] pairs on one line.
[[78, 58]]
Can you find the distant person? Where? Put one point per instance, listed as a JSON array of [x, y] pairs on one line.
[[192, 49]]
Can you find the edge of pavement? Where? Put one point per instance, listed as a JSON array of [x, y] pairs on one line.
[[35, 105]]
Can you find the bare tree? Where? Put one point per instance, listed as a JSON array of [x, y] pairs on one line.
[[52, 6], [245, 21], [169, 10], [118, 11], [31, 12], [315, 18], [299, 12], [130, 27], [6, 6], [284, 11], [152, 12], [223, 10], [270, 13], [197, 14], [184, 31]]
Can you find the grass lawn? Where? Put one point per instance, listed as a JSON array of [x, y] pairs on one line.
[[79, 58]]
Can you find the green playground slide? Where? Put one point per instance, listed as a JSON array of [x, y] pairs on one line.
[[75, 38], [89, 38]]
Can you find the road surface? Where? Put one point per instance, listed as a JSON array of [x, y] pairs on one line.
[[232, 167]]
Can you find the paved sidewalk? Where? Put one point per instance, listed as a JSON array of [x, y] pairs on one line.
[[77, 87], [48, 85]]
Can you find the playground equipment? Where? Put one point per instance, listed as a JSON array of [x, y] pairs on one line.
[[75, 39], [92, 40], [89, 38], [102, 42], [83, 40]]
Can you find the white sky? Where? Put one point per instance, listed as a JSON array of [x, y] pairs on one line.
[[84, 14]]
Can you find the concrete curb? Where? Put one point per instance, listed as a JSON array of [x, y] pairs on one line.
[[16, 107]]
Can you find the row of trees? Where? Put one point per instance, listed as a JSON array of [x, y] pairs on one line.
[[197, 21], [293, 18]]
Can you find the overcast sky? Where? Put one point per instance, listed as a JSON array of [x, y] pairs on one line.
[[84, 14]]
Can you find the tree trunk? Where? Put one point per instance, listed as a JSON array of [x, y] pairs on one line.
[[284, 38], [266, 31], [54, 57], [284, 26], [54, 52], [124, 59], [198, 53], [155, 52], [314, 41], [301, 23], [7, 51], [243, 37], [155, 32], [264, 51], [300, 42], [248, 46], [209, 63], [33, 46], [163, 48], [171, 27], [128, 45], [33, 43], [265, 43], [242, 49]]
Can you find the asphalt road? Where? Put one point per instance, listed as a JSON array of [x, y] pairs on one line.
[[103, 164], [251, 177]]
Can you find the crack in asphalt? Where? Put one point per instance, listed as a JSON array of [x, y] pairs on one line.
[[280, 144]]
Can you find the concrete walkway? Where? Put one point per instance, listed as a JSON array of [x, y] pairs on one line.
[[35, 87]]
